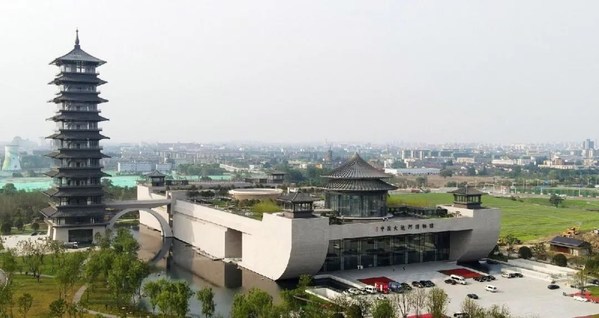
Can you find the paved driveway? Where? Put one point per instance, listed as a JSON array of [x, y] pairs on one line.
[[525, 297]]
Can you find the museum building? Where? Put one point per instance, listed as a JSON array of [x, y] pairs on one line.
[[356, 229]]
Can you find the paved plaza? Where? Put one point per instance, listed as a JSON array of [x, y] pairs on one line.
[[525, 297]]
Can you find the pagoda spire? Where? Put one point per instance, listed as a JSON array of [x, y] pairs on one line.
[[77, 38]]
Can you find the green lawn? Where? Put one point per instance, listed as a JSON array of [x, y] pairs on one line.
[[530, 219], [43, 293]]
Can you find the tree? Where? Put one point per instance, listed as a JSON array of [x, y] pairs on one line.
[[498, 312], [580, 280], [471, 171], [6, 228], [539, 251], [206, 297], [525, 252], [69, 272], [421, 181], [437, 302], [24, 304], [58, 307], [9, 189], [559, 260], [419, 298], [555, 200], [152, 290], [471, 308], [383, 309], [403, 303], [35, 226], [9, 262], [256, 303], [446, 173], [19, 224]]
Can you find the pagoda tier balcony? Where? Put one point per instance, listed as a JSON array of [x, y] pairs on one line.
[[74, 147], [76, 173], [87, 78], [78, 98], [64, 186], [81, 193], [66, 153], [82, 135], [69, 116], [53, 211], [87, 167], [83, 129]]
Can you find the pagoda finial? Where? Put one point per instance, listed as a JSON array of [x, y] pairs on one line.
[[77, 38]]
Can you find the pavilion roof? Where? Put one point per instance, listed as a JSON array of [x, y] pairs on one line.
[[155, 173], [467, 190], [568, 242], [356, 168], [359, 185], [297, 197], [74, 192]]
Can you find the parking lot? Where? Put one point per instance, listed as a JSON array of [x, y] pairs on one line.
[[525, 297]]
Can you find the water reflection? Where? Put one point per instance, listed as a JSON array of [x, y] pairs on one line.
[[183, 262]]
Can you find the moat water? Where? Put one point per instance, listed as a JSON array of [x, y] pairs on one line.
[[184, 263]]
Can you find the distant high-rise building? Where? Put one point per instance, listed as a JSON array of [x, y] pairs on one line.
[[76, 211], [588, 144]]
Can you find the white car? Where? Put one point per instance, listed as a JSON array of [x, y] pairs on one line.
[[579, 298]]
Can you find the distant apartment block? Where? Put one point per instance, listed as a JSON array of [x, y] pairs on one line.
[[130, 167], [413, 171]]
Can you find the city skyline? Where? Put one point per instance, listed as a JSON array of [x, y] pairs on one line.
[[295, 72]]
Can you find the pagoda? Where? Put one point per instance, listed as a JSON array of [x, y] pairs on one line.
[[76, 211], [356, 190]]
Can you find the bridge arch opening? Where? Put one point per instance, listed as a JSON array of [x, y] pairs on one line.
[[164, 224]]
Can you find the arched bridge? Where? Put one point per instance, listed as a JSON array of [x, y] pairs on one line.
[[125, 207]]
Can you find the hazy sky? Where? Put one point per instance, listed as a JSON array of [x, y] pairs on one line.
[[282, 71]]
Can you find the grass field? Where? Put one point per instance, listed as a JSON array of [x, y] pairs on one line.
[[43, 293], [528, 219]]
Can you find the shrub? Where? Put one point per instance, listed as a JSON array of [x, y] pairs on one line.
[[560, 260], [525, 252]]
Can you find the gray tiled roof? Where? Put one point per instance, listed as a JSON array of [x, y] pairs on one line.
[[77, 154], [297, 197], [467, 190], [77, 116], [78, 78], [77, 173], [356, 168], [567, 242], [76, 55], [65, 134], [359, 185], [155, 173]]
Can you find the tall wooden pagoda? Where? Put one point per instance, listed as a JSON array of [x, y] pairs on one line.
[[76, 211]]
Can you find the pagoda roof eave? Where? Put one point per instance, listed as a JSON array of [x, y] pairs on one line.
[[77, 55], [356, 168]]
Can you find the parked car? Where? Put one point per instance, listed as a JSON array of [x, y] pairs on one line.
[[427, 283], [553, 286], [491, 288], [406, 286], [579, 298], [472, 296], [479, 278], [594, 281], [490, 277], [450, 281], [34, 234], [417, 284], [519, 275], [461, 315]]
